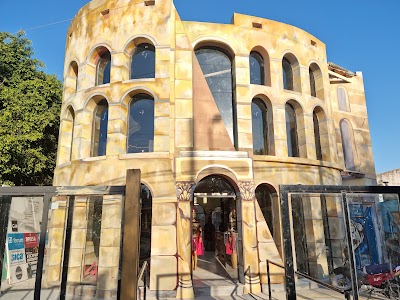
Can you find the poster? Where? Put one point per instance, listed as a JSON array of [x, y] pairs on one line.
[[31, 242], [16, 257]]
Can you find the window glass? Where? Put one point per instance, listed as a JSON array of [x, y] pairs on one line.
[[287, 74], [260, 127], [141, 124], [143, 62], [145, 224], [71, 118], [100, 125], [317, 137], [256, 69], [291, 131], [312, 83], [264, 199], [217, 69], [103, 69], [347, 146], [342, 99]]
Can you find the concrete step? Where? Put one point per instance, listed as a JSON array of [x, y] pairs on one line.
[[219, 290]]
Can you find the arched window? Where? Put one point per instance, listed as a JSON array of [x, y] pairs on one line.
[[216, 65], [264, 199], [141, 124], [71, 119], [317, 136], [312, 83], [257, 72], [143, 62], [342, 99], [103, 68], [145, 223], [100, 126], [291, 131], [73, 74], [287, 74], [260, 127], [347, 145]]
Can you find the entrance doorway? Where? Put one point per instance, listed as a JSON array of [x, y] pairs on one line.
[[215, 231]]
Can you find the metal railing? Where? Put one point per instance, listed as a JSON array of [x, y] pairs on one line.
[[143, 275], [324, 284]]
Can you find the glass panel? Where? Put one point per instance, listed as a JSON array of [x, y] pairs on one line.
[[259, 127], [21, 248], [143, 62], [264, 199], [287, 75], [312, 83], [100, 125], [291, 131], [103, 69], [217, 69], [141, 124], [317, 137], [256, 69]]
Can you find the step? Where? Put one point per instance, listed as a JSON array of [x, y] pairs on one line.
[[219, 290]]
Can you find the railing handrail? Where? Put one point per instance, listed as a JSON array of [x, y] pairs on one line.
[[141, 273], [345, 293]]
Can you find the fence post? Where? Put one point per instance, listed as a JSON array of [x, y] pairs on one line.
[[269, 281]]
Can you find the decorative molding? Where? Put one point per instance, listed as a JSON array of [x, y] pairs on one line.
[[184, 190], [247, 190]]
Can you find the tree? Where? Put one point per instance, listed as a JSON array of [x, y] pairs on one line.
[[30, 102]]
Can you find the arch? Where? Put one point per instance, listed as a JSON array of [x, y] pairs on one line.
[[143, 61], [262, 126], [216, 183], [127, 96], [140, 136], [73, 72], [343, 103], [221, 170], [135, 40], [264, 195], [346, 133], [266, 64], [101, 58], [99, 129], [291, 73], [316, 81], [217, 67], [321, 130], [210, 41]]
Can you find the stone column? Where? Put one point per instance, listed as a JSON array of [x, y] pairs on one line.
[[249, 237], [183, 225]]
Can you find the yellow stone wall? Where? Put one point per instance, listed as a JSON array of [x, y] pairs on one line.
[[174, 164]]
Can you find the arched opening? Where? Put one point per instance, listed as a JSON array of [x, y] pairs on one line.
[[146, 201], [257, 72], [312, 83], [100, 127], [214, 219], [141, 124], [323, 132], [317, 137], [216, 65], [103, 66], [347, 145], [291, 73], [73, 75], [260, 128], [291, 131], [143, 61], [316, 81], [70, 129]]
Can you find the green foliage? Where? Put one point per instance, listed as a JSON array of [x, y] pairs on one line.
[[30, 102]]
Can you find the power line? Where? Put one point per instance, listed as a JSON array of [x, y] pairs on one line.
[[45, 25]]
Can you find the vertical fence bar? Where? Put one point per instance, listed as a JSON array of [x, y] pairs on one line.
[[269, 282], [350, 247], [67, 245], [5, 204], [42, 244], [287, 246]]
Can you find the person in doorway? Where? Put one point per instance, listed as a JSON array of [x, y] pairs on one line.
[[199, 241], [209, 235], [194, 249]]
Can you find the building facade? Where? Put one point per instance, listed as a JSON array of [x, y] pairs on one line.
[[216, 117]]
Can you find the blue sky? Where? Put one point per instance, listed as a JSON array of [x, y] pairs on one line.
[[360, 36]]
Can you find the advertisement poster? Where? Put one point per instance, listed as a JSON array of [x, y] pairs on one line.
[[31, 241], [16, 257]]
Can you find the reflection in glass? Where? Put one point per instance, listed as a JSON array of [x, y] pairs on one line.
[[103, 69], [291, 131], [217, 69], [145, 223], [287, 74], [317, 137], [264, 199], [141, 124], [259, 127], [143, 62], [347, 145], [312, 83], [257, 73], [100, 125]]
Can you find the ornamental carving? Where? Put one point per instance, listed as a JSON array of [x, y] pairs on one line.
[[246, 189], [184, 190]]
